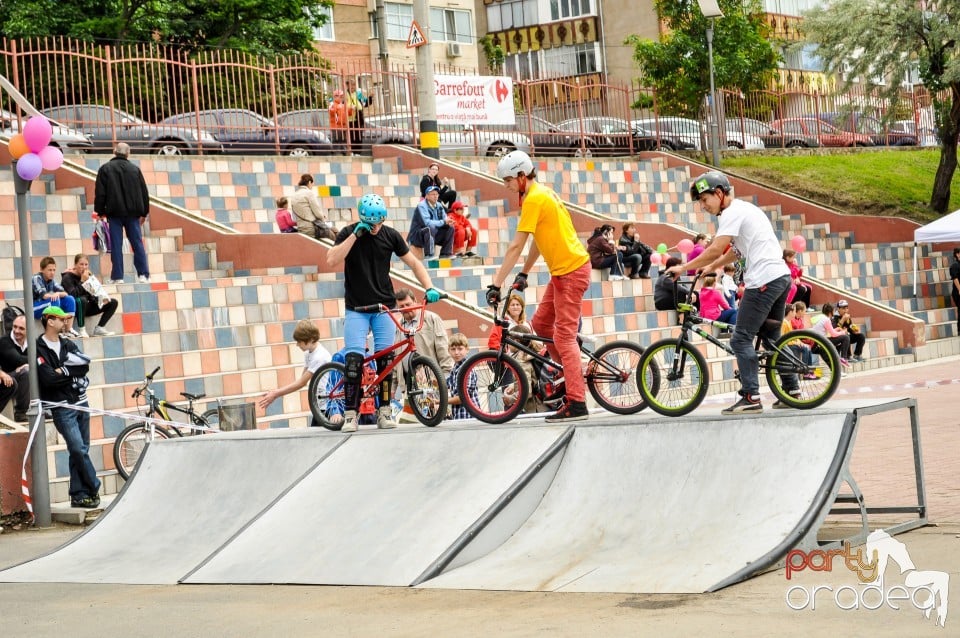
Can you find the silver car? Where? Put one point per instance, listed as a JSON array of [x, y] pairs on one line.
[[64, 137], [457, 139]]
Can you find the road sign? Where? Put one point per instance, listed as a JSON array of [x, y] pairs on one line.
[[416, 37]]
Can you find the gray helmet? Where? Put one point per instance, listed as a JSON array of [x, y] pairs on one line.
[[514, 163], [709, 182]]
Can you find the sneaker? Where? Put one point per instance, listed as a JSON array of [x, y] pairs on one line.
[[572, 411], [72, 333], [349, 421], [810, 376], [469, 253], [21, 417], [82, 333], [86, 503], [780, 405], [746, 405], [113, 282], [143, 279], [385, 419], [617, 277], [100, 331]]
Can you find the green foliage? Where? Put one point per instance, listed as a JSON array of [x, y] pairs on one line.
[[493, 54], [677, 66]]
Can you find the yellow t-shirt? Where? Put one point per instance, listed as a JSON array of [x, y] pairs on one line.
[[545, 217]]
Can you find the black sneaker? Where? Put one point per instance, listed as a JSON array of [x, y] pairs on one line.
[[573, 411], [20, 417], [780, 405], [86, 503], [746, 405]]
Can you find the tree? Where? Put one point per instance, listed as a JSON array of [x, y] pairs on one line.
[[266, 27], [885, 38], [677, 65]]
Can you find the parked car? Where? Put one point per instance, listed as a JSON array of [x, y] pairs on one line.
[[771, 137], [245, 132], [692, 131], [926, 136], [545, 137], [855, 122], [458, 139], [828, 134], [319, 120], [64, 137], [100, 124], [589, 136]]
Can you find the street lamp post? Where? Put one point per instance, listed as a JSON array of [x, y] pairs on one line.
[[711, 10]]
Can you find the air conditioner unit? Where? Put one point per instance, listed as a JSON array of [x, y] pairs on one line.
[[454, 50]]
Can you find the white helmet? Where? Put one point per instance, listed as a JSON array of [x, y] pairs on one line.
[[514, 163]]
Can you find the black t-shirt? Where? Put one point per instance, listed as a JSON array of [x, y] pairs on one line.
[[954, 274], [366, 270]]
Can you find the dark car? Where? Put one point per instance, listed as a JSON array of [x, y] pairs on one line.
[[105, 127], [867, 125], [828, 134], [319, 120], [600, 135], [63, 137], [545, 137], [246, 132], [771, 137]]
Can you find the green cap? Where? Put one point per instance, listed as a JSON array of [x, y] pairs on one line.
[[56, 311]]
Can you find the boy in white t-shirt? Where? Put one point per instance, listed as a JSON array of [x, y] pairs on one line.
[[307, 337], [746, 231]]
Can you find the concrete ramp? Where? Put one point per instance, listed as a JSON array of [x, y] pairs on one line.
[[385, 508], [187, 497], [668, 506]]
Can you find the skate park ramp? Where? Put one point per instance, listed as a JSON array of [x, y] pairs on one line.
[[642, 504]]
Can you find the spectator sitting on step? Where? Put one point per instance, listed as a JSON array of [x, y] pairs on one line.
[[728, 284], [14, 381], [459, 349], [798, 347], [666, 288], [48, 293], [307, 337], [604, 253], [636, 254], [464, 234], [285, 217], [90, 297], [432, 178], [700, 243], [839, 338], [306, 209], [799, 291], [713, 305], [842, 320], [430, 226], [516, 315]]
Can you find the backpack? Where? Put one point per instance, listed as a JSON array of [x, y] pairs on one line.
[[8, 315]]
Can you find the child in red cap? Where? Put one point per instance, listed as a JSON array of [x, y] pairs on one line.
[[464, 234]]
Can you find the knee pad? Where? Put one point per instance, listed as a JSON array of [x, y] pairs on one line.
[[353, 368], [386, 386]]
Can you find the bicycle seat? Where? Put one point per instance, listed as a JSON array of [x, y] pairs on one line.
[[192, 397]]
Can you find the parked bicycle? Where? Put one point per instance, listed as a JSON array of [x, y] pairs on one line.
[[131, 442], [674, 375], [426, 388], [502, 387]]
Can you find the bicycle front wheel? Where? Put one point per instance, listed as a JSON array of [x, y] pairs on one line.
[[131, 443], [325, 395], [613, 380], [797, 384], [492, 387], [427, 391], [673, 377]]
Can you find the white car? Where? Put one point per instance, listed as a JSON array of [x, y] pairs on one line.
[[690, 131], [458, 139], [64, 137]]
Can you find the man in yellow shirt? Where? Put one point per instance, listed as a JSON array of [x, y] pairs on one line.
[[543, 215]]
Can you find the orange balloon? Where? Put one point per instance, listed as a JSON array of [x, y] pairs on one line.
[[18, 146]]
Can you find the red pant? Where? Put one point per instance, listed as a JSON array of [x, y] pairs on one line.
[[558, 316], [460, 237]]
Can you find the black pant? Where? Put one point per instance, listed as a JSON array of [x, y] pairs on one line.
[[86, 308], [20, 391], [842, 344], [956, 302]]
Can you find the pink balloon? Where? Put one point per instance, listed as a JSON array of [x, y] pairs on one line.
[[51, 158], [685, 246], [655, 259], [29, 166], [37, 132], [798, 243]]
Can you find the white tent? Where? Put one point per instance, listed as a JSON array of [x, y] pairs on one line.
[[945, 229]]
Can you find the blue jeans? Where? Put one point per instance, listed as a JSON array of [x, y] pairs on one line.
[[74, 427], [428, 237], [130, 225], [67, 304], [357, 325], [758, 307]]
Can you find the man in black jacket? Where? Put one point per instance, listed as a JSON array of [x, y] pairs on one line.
[[13, 370], [62, 371], [122, 197]]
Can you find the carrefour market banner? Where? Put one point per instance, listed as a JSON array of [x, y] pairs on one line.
[[474, 99]]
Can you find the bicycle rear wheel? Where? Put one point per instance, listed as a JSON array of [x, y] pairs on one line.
[[325, 395], [427, 391], [131, 442], [492, 387], [211, 419], [673, 377], [617, 389], [811, 385]]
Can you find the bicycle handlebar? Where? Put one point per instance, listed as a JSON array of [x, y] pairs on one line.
[[146, 381]]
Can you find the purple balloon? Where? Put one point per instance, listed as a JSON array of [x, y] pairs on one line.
[[51, 158], [29, 166], [37, 132]]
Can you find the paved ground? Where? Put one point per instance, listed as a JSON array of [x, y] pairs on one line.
[[757, 607]]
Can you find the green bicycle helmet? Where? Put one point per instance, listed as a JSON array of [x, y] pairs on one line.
[[709, 182], [372, 209]]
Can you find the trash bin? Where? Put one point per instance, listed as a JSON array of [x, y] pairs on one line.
[[238, 416]]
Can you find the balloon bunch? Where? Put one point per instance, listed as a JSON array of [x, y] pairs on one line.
[[657, 258], [32, 149]]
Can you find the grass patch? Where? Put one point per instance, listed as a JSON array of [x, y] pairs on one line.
[[894, 183]]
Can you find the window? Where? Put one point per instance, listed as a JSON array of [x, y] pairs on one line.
[[576, 60], [564, 9], [241, 120], [326, 31], [399, 19], [450, 25], [511, 14]]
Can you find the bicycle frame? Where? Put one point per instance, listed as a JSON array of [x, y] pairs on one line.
[[162, 407], [407, 345]]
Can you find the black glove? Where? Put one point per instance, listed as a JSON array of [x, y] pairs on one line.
[[493, 295], [520, 283]]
